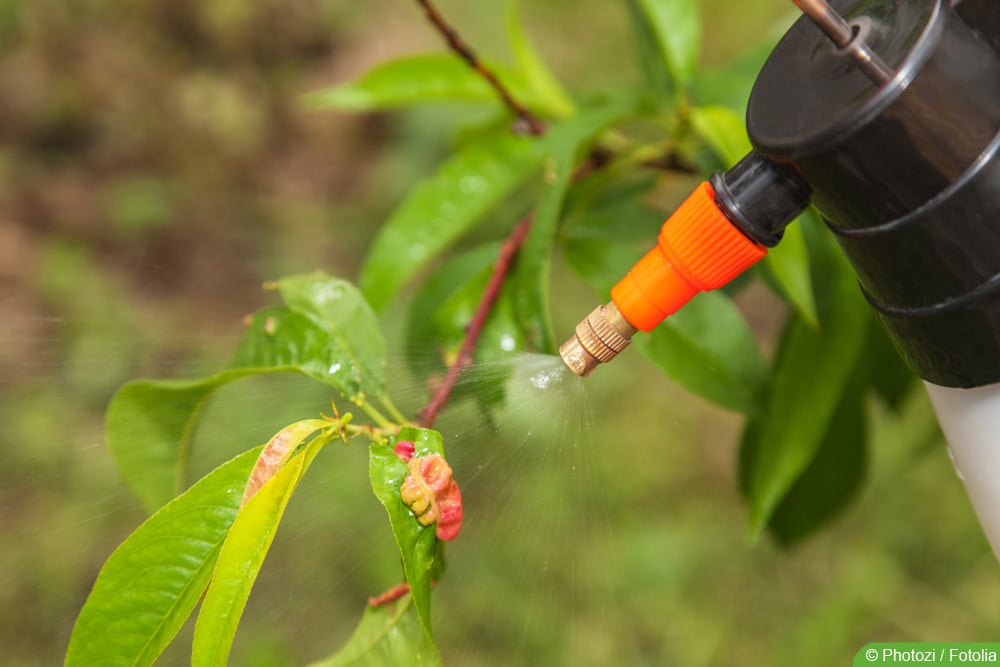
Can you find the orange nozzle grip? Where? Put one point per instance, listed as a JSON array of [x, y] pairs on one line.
[[698, 249]]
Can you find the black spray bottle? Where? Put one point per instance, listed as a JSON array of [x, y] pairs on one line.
[[885, 115]]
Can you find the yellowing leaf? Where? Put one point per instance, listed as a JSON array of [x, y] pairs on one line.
[[240, 559]]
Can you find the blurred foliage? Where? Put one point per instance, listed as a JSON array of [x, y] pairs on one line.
[[155, 170]]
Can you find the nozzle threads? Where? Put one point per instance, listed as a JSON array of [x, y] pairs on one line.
[[598, 339], [704, 245]]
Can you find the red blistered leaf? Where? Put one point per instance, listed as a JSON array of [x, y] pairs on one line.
[[418, 498], [435, 472], [405, 449], [450, 520], [276, 453], [433, 496]]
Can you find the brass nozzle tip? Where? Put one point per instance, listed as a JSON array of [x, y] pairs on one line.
[[577, 358], [598, 339]]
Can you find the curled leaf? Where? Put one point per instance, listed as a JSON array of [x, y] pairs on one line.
[[404, 449], [418, 546], [433, 496], [450, 513], [277, 451], [241, 557]]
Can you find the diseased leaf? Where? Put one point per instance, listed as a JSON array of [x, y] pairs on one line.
[[678, 33], [150, 425], [707, 347], [418, 79], [551, 95], [390, 634], [153, 580], [277, 451], [810, 374], [241, 557], [444, 207], [531, 278], [417, 544]]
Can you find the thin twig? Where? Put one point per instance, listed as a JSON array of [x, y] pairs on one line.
[[532, 123], [501, 267]]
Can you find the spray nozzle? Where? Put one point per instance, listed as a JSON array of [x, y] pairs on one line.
[[597, 340], [719, 231]]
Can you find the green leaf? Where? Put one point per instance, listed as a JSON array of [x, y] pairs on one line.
[[149, 427], [332, 337], [153, 580], [891, 378], [413, 80], [678, 33], [708, 348], [730, 84], [658, 82], [612, 208], [279, 340], [723, 130], [788, 263], [355, 339], [440, 309], [439, 317], [531, 279], [610, 229], [390, 634], [241, 557], [600, 263], [811, 372], [443, 208], [551, 95], [417, 544], [833, 477]]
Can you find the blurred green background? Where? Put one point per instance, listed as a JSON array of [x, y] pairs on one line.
[[155, 170]]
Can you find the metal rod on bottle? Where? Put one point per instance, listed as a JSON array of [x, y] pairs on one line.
[[846, 38]]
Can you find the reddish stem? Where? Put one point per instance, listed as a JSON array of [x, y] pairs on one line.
[[501, 267], [532, 123], [391, 595]]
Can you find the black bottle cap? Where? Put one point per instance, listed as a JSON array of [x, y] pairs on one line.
[[761, 196]]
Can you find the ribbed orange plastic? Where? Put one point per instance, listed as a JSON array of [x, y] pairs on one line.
[[698, 249]]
